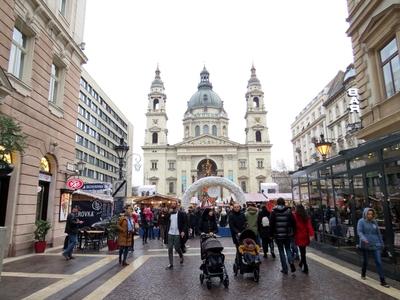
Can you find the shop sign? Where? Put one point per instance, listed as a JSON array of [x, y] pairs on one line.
[[354, 104], [96, 186], [75, 183], [44, 177]]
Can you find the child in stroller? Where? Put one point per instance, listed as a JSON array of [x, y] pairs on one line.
[[247, 259], [250, 251]]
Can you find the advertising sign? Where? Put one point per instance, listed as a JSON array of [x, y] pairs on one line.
[[92, 211], [75, 183]]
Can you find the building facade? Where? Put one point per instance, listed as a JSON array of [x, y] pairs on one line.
[[41, 55], [374, 28], [328, 114], [206, 148], [100, 126]]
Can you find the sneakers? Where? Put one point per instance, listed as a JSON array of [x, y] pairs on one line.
[[169, 267], [292, 268], [124, 264], [363, 277], [384, 284], [66, 256]]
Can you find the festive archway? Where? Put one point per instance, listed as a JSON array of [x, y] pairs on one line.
[[213, 181]]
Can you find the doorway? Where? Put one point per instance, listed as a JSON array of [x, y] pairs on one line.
[[42, 200], [4, 185]]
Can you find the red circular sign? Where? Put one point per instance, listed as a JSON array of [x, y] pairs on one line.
[[75, 183]]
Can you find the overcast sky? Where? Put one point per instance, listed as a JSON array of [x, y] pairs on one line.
[[297, 47]]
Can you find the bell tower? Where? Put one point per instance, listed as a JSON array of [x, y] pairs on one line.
[[156, 132], [256, 115]]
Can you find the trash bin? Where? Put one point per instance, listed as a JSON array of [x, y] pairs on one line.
[[3, 231]]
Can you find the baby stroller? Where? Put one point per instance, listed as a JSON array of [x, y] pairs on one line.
[[240, 264], [213, 260]]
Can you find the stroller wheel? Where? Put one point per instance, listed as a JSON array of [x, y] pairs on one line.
[[256, 274], [208, 282], [235, 269], [201, 278], [226, 282]]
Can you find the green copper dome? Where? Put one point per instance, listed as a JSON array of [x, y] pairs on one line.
[[205, 96]]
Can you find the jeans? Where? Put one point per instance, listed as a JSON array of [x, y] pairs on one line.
[[72, 240], [378, 262], [123, 250], [295, 250], [174, 241], [145, 233], [151, 232], [284, 245]]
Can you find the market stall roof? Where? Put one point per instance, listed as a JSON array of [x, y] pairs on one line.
[[153, 198], [255, 197], [101, 197]]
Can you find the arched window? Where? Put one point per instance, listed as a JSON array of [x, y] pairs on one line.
[[186, 131], [214, 130], [205, 129], [258, 136], [256, 102], [197, 130], [44, 165], [155, 138], [243, 186], [156, 104]]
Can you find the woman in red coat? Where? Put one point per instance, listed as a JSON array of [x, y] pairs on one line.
[[304, 231]]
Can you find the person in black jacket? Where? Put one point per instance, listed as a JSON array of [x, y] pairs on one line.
[[237, 223], [72, 228], [264, 230], [208, 221], [175, 230], [282, 227]]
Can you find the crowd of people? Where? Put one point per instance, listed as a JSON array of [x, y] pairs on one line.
[[290, 229]]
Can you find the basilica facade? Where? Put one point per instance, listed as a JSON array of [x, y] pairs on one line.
[[206, 149]]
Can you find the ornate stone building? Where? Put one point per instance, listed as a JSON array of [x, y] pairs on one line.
[[206, 148]]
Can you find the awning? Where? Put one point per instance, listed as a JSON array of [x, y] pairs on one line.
[[101, 197]]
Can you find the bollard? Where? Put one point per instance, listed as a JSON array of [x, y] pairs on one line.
[[3, 232]]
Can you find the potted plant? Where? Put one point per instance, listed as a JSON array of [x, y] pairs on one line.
[[42, 227], [112, 233], [11, 139]]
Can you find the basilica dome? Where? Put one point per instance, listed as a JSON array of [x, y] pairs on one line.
[[205, 96]]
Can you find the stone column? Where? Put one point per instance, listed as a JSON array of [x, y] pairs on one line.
[[3, 232]]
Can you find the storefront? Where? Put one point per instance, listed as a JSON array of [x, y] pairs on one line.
[[337, 191]]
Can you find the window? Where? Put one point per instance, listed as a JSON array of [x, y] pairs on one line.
[[243, 186], [80, 124], [258, 136], [54, 83], [154, 164], [205, 129], [154, 138], [390, 64], [260, 163], [63, 7], [256, 102], [156, 104], [197, 130], [18, 54], [171, 188], [214, 130], [242, 163], [171, 165]]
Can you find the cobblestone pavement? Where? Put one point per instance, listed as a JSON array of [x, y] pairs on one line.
[[98, 276]]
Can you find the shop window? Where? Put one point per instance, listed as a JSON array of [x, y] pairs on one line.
[[390, 64]]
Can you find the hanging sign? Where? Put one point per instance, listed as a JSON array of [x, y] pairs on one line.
[[354, 105], [75, 183]]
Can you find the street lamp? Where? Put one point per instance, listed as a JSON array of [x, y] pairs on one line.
[[323, 147], [121, 150], [80, 166]]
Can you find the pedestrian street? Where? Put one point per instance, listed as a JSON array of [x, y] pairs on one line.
[[99, 276]]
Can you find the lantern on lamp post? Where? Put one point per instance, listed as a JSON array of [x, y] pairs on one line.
[[323, 147]]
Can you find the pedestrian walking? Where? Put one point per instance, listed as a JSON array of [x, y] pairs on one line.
[[208, 222], [237, 223], [264, 230], [72, 228], [125, 235], [175, 229], [162, 222], [304, 231], [252, 218], [370, 243], [283, 226], [185, 237]]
